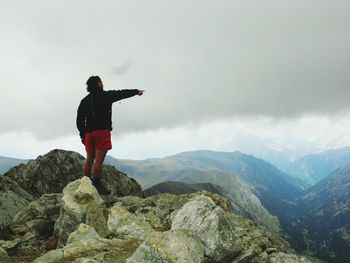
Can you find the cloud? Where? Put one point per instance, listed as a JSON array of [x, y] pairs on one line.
[[198, 61], [262, 137], [123, 68]]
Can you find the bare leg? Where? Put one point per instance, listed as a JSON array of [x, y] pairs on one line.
[[97, 167], [90, 157]]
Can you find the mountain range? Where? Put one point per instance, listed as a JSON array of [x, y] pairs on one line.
[[268, 183], [303, 214], [7, 163], [314, 167], [325, 222], [63, 219], [314, 220]]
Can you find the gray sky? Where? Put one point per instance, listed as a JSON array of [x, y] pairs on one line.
[[199, 61]]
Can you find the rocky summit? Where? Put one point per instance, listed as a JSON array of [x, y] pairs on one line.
[[51, 172], [76, 224]]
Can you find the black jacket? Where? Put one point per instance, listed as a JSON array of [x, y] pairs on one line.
[[95, 110]]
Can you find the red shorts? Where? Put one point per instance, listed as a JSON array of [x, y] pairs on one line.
[[99, 140]]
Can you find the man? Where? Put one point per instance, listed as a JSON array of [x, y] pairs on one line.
[[94, 122]]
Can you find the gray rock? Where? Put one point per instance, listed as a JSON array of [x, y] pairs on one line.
[[246, 256], [9, 184], [46, 207], [51, 172], [80, 204], [10, 244], [52, 256], [12, 199], [287, 258], [85, 245], [41, 215], [87, 260], [174, 246], [241, 195], [218, 233], [159, 209], [3, 255], [11, 204], [27, 234], [124, 224]]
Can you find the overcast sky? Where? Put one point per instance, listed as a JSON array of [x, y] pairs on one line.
[[200, 62]]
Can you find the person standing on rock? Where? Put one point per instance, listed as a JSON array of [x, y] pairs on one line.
[[94, 122]]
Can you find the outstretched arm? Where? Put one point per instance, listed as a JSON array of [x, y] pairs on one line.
[[116, 95]]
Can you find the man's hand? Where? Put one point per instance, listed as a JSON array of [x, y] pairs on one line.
[[140, 92]]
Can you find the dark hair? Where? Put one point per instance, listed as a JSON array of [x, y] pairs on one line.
[[92, 83]]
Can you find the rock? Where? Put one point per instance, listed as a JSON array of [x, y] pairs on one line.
[[85, 245], [243, 200], [46, 207], [158, 210], [287, 258], [13, 199], [27, 233], [119, 184], [7, 244], [218, 233], [174, 246], [80, 204], [271, 250], [51, 257], [245, 257], [3, 255], [51, 172], [124, 224], [87, 260], [40, 215], [11, 204]]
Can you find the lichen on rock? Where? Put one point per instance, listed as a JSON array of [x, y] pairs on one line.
[[85, 245], [81, 203], [173, 246], [124, 224], [218, 234]]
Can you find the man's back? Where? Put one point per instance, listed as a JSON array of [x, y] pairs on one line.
[[95, 110]]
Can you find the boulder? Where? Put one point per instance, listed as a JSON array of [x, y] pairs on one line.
[[173, 246], [281, 257], [3, 255], [158, 210], [80, 203], [26, 236], [85, 245], [124, 224], [218, 234], [12, 243], [13, 199], [51, 172], [87, 260], [46, 207]]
